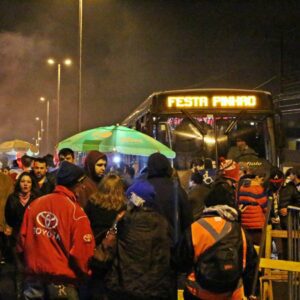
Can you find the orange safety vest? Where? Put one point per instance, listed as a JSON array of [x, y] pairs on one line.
[[202, 239]]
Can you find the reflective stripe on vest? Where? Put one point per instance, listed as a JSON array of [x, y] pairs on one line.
[[217, 236]]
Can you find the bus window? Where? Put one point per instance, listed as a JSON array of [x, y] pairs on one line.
[[189, 142], [163, 134]]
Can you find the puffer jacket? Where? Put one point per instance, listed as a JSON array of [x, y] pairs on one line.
[[252, 201], [141, 268]]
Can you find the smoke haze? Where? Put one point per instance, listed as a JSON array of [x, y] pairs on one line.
[[131, 49]]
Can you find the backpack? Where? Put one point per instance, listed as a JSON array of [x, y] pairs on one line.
[[220, 267]]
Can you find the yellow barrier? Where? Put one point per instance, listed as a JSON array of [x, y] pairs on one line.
[[274, 270], [180, 295]]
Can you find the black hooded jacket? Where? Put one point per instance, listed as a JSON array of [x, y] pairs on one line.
[[160, 176]]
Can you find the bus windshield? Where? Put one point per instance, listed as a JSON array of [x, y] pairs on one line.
[[209, 137]]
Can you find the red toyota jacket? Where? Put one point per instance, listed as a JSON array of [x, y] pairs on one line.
[[56, 238]]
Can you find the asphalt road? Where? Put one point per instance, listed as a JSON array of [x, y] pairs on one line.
[[7, 286]]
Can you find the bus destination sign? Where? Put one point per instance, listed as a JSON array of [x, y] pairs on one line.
[[214, 101]]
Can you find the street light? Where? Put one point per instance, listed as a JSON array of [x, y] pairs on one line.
[[44, 100], [66, 62], [40, 132]]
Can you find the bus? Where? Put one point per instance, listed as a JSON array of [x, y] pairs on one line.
[[206, 123]]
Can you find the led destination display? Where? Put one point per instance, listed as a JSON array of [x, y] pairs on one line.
[[214, 101]]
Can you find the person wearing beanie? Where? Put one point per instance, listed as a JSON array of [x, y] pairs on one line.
[[160, 177], [230, 170], [141, 194], [95, 165], [56, 240], [219, 213], [141, 270]]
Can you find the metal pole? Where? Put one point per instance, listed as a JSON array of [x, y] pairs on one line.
[[42, 128], [58, 103], [80, 65], [47, 126]]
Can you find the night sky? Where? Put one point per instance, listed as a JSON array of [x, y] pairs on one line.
[[133, 48]]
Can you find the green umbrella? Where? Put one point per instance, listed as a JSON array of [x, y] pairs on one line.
[[116, 138]]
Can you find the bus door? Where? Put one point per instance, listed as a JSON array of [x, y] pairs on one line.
[[164, 134]]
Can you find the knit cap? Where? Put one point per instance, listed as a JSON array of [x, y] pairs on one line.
[[230, 169], [68, 174], [143, 190]]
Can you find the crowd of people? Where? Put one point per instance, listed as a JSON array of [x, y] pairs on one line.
[[53, 219]]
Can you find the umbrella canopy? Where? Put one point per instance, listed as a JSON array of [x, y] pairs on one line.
[[18, 146], [116, 138]]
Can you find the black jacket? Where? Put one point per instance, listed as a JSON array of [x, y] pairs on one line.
[[142, 266], [289, 195], [165, 196], [101, 219], [196, 196], [170, 196], [14, 211], [48, 185]]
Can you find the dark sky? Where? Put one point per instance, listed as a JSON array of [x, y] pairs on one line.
[[132, 48]]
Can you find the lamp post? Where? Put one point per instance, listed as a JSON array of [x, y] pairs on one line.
[[80, 66], [43, 99], [66, 62], [39, 131]]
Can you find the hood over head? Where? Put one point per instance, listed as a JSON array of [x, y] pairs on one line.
[[89, 164], [159, 166]]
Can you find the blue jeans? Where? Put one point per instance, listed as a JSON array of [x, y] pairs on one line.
[[38, 290]]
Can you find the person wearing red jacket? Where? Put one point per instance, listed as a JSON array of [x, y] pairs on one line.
[[56, 240], [252, 201]]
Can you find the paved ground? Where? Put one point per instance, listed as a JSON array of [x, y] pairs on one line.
[[7, 287]]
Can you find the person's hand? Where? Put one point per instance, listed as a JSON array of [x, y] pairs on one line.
[[283, 211], [242, 207], [8, 230], [275, 220], [252, 297]]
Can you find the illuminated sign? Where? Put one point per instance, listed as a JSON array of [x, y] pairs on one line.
[[213, 101]]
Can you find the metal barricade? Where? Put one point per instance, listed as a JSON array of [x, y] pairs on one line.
[[294, 250]]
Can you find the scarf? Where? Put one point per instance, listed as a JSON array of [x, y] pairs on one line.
[[224, 211], [24, 198]]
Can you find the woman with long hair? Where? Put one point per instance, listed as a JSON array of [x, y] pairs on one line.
[[102, 210], [26, 190]]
